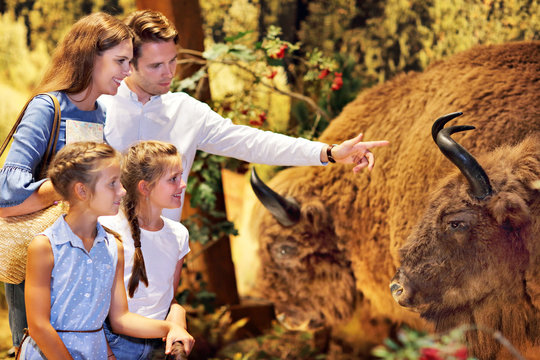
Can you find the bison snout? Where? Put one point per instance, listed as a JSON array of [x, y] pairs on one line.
[[396, 290], [400, 293]]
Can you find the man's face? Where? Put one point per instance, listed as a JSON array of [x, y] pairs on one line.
[[155, 69]]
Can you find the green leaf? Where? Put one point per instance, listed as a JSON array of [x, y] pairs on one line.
[[242, 52], [216, 51], [190, 83], [391, 344], [186, 84], [240, 35], [380, 351], [273, 32], [274, 62], [306, 336]]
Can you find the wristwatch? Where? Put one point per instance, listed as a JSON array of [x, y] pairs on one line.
[[329, 153]]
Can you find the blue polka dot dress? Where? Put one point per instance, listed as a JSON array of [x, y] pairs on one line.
[[81, 285]]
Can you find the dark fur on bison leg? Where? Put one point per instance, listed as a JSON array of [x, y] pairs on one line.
[[177, 352]]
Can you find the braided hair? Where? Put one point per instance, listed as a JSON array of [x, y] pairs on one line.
[[148, 161], [79, 162]]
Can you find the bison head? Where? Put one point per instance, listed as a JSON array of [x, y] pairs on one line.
[[468, 259], [299, 253]]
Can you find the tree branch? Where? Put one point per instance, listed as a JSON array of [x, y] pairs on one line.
[[320, 112]]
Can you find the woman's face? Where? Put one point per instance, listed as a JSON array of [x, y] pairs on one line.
[[111, 67]]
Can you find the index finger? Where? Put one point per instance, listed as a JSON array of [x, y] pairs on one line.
[[372, 144], [187, 347], [168, 344]]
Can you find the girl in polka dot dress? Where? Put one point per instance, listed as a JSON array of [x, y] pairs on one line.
[[75, 268]]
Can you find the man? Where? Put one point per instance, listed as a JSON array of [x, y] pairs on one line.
[[144, 109]]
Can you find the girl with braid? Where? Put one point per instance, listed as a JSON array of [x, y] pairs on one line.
[[75, 268], [154, 246]]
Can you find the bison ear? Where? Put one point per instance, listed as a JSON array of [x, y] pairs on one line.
[[510, 210], [315, 213]]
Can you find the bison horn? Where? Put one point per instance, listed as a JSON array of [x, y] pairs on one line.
[[467, 164], [286, 211]]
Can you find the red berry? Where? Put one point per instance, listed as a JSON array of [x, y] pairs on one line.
[[323, 73], [461, 354], [429, 354], [272, 74], [337, 83]]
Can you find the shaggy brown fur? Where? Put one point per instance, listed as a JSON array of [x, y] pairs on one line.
[[476, 262], [177, 352], [357, 222]]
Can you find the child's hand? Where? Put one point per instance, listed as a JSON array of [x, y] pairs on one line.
[[178, 333]]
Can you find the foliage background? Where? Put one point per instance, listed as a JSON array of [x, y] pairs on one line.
[[375, 38]]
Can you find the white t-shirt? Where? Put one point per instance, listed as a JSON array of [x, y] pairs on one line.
[[191, 125], [161, 250]]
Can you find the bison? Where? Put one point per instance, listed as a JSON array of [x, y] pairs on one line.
[[474, 257], [330, 262]]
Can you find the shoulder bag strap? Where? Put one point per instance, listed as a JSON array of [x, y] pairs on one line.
[[53, 139]]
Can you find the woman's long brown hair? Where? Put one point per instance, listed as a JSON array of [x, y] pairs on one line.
[[72, 62]]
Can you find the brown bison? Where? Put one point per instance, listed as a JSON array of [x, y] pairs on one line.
[[333, 257], [474, 257]]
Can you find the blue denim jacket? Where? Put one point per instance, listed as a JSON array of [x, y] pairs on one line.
[[18, 177]]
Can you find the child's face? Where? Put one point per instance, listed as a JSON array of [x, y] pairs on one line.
[[167, 191], [108, 190]]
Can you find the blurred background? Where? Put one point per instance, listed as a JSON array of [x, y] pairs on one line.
[[284, 65]]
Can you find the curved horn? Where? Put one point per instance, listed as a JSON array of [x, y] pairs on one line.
[[286, 211], [467, 164]]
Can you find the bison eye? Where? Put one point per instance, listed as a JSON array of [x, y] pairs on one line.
[[286, 251], [457, 225], [459, 221]]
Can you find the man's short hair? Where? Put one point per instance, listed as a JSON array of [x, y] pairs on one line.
[[149, 26]]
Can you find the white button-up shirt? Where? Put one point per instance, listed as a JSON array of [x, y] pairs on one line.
[[191, 125]]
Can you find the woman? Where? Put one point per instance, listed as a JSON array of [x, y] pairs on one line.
[[92, 60]]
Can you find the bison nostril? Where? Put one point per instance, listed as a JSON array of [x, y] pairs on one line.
[[396, 289]]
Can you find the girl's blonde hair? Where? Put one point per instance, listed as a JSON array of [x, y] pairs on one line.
[[79, 162], [148, 161], [72, 62]]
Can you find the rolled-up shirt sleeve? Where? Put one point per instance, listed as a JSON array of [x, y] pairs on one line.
[[18, 177]]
